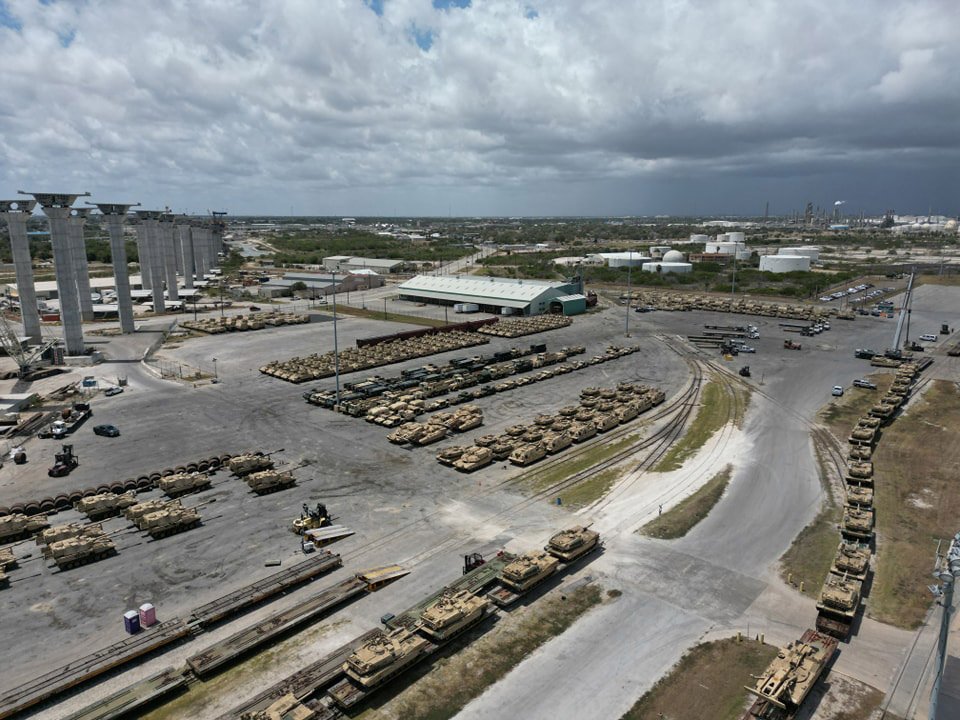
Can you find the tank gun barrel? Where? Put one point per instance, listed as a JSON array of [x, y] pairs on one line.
[[200, 505]]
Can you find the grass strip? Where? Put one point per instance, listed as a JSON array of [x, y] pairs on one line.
[[579, 462], [388, 317], [456, 680], [681, 519], [717, 407], [707, 682]]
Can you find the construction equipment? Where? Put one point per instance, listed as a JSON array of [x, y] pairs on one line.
[[472, 562], [311, 519], [745, 371], [65, 462], [25, 357]]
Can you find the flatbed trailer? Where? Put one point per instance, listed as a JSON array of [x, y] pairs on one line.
[[269, 586], [123, 702], [503, 596], [303, 683], [85, 668], [835, 625]]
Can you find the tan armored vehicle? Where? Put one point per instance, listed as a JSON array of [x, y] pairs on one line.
[[406, 433], [249, 462], [105, 505], [568, 545], [869, 422], [7, 559], [589, 402], [569, 410], [174, 486], [852, 560], [533, 435], [881, 361], [580, 431], [474, 458], [606, 406], [861, 470], [516, 430], [840, 595], [860, 452], [384, 655], [448, 455], [626, 413], [589, 392], [883, 411], [859, 496], [543, 420], [528, 569], [284, 708], [18, 526], [169, 521], [501, 449], [62, 532], [268, 481], [789, 678], [862, 436], [452, 613], [135, 513], [485, 440], [527, 453], [432, 434], [76, 551], [556, 441], [892, 399], [560, 424], [466, 418], [605, 421], [857, 522], [585, 416], [608, 393]]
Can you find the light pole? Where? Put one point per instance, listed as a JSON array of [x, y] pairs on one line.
[[626, 330], [947, 572], [215, 376], [221, 298], [336, 348]]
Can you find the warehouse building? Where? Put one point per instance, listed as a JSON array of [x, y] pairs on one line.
[[349, 263], [318, 284], [503, 296]]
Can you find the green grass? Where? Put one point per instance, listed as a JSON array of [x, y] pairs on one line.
[[389, 317], [591, 489], [579, 462], [706, 683], [717, 407], [681, 519], [456, 680]]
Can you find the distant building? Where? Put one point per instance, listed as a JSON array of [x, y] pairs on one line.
[[320, 284], [347, 263], [505, 296]]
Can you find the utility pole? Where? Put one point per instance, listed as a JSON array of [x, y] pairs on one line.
[[626, 328], [336, 348], [947, 571]]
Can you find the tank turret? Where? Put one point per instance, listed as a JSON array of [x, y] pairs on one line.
[[861, 470], [567, 545], [859, 495], [448, 455], [857, 522], [135, 513], [452, 613], [852, 560], [18, 526], [170, 521], [384, 655], [268, 481], [474, 458], [184, 483], [527, 570], [840, 595], [62, 532], [105, 505]]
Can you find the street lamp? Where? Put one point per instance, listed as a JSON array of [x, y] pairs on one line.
[[626, 331], [947, 572]]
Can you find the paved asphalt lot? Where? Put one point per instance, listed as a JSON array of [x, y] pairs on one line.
[[718, 578]]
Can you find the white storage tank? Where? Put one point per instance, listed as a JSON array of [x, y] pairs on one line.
[[810, 251], [735, 237], [721, 238], [727, 248], [784, 263], [673, 256], [698, 238], [625, 259], [667, 267]]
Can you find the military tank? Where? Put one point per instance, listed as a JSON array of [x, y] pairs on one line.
[[269, 481], [838, 604], [135, 513], [432, 434], [580, 431], [572, 543], [516, 430], [852, 560], [859, 495], [869, 422], [791, 675], [7, 559], [105, 505], [860, 452], [286, 707], [527, 453], [861, 470], [560, 424], [170, 521], [501, 449], [385, 655], [527, 570], [76, 551], [62, 532], [585, 415], [174, 486], [555, 442], [862, 436], [589, 392], [485, 440], [406, 433], [311, 519], [251, 462], [474, 458], [543, 420], [605, 421], [453, 613], [533, 435], [568, 410], [448, 455], [857, 523], [626, 413], [18, 526]]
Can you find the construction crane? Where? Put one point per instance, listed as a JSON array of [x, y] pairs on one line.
[[905, 310], [25, 357]]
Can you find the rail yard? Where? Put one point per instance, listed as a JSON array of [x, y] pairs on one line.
[[191, 511]]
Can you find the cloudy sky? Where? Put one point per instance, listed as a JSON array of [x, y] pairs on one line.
[[489, 107]]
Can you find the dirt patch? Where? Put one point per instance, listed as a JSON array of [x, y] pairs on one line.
[[680, 519], [719, 404], [917, 497], [842, 413], [839, 697], [456, 680], [707, 682]]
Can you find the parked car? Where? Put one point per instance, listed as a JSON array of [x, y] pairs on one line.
[[746, 349], [111, 391], [866, 384], [929, 337], [106, 430], [837, 390]]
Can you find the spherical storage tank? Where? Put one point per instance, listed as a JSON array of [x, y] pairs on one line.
[[673, 256], [784, 263], [667, 267]]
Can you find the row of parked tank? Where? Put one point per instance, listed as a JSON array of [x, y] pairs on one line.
[[245, 323], [72, 544], [600, 410], [517, 327], [321, 365], [437, 426], [741, 306], [841, 594], [407, 407]]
